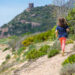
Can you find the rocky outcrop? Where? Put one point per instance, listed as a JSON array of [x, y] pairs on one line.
[[34, 24], [4, 32]]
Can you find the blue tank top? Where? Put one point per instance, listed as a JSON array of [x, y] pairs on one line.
[[62, 31]]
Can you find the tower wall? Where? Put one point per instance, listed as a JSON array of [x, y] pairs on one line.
[[31, 5]]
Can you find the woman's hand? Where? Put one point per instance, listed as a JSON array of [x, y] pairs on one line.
[[56, 32], [67, 29]]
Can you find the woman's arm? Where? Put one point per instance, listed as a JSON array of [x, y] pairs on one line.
[[56, 32], [67, 28]]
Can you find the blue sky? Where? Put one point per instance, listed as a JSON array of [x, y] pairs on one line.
[[10, 8]]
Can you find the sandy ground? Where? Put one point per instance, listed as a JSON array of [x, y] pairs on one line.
[[45, 66], [3, 54], [42, 66]]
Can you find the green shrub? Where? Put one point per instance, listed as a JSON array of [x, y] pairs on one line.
[[70, 59], [6, 49], [18, 59], [8, 57], [4, 41], [12, 43], [38, 38], [43, 50], [42, 36], [56, 46], [33, 54], [27, 41], [5, 67], [25, 53], [54, 49], [21, 50], [69, 69], [32, 46], [13, 37], [52, 53], [3, 62], [27, 33], [69, 41], [72, 36]]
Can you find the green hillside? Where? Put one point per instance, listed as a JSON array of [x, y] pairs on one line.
[[37, 20]]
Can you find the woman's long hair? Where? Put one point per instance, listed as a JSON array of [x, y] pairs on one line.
[[62, 22]]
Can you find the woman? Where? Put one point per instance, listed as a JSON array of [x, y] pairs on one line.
[[62, 30]]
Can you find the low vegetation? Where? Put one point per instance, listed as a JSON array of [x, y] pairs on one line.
[[3, 62], [34, 54], [8, 57], [69, 69], [71, 22], [54, 49], [4, 41], [44, 36], [56, 45], [20, 50], [72, 36], [37, 38], [50, 50], [6, 66], [52, 53], [12, 43], [32, 46], [6, 49], [69, 41], [69, 60]]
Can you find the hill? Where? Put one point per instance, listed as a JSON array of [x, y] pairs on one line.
[[34, 20]]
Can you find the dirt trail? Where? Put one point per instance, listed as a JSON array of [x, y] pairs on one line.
[[45, 66], [42, 66], [3, 54]]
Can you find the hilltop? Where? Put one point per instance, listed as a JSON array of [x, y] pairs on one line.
[[33, 19], [37, 19]]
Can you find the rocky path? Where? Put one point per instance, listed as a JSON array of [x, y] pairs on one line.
[[3, 54], [45, 66]]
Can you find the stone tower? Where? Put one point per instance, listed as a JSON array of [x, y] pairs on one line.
[[31, 5]]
